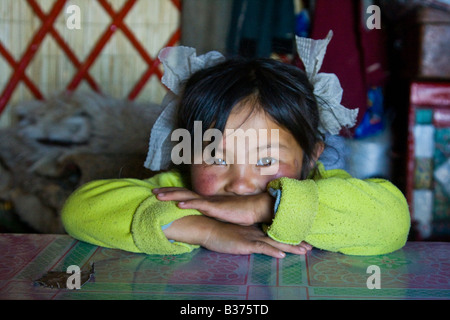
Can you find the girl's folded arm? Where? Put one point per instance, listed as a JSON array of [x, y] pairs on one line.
[[123, 214], [341, 214]]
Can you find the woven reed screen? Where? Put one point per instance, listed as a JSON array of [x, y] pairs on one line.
[[110, 46]]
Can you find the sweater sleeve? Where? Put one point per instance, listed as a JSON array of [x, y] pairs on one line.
[[341, 214], [124, 214]]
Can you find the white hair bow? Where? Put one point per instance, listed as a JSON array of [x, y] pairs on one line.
[[179, 64], [333, 116]]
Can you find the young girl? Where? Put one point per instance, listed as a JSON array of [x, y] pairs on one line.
[[236, 207]]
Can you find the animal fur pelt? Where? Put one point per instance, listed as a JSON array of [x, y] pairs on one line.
[[65, 141]]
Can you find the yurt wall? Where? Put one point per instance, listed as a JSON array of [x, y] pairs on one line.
[[47, 46]]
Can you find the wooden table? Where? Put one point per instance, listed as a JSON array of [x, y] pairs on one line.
[[421, 270]]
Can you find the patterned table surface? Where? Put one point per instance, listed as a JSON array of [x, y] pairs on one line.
[[421, 270]]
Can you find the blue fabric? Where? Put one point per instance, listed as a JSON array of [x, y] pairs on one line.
[[276, 193]]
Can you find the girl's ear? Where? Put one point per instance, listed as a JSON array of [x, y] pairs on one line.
[[320, 146]]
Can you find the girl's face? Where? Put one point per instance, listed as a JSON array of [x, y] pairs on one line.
[[274, 156]]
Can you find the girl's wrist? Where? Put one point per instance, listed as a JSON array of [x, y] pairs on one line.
[[193, 230], [265, 208]]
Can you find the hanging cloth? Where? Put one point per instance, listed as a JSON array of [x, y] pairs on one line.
[[356, 54], [259, 28]]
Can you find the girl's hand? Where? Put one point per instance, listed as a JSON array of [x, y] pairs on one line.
[[236, 239], [229, 238], [244, 210]]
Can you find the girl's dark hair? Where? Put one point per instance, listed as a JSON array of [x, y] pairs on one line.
[[282, 91]]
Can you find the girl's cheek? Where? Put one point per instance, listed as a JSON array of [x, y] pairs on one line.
[[205, 184], [288, 171]]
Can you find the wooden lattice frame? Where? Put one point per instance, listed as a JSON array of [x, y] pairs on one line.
[[47, 28]]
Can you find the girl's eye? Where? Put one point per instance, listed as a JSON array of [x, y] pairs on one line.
[[220, 162], [265, 162]]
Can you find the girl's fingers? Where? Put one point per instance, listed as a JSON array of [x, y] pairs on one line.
[[306, 245], [198, 204], [208, 209], [205, 206], [263, 247], [219, 211], [294, 249], [168, 190], [176, 194]]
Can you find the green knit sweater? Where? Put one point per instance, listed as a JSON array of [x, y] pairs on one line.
[[331, 211]]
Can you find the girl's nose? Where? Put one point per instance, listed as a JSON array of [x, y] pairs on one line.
[[242, 181]]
